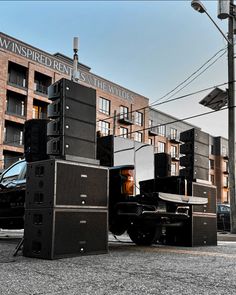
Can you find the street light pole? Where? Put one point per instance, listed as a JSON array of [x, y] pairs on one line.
[[231, 118], [198, 6]]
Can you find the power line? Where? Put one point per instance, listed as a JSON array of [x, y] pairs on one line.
[[178, 120], [197, 75], [163, 102], [225, 50]]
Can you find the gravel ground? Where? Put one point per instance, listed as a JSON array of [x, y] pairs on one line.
[[126, 269]]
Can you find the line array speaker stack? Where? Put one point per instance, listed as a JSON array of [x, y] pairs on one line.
[[66, 209], [72, 130], [196, 150]]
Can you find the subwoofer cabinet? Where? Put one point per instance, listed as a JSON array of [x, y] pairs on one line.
[[66, 209], [58, 233], [201, 227], [199, 230], [54, 183]]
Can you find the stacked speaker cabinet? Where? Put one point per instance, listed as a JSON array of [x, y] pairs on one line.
[[162, 165], [72, 130], [201, 227], [35, 140], [196, 150], [66, 209]]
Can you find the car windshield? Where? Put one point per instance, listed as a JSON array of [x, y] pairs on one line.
[[13, 172]]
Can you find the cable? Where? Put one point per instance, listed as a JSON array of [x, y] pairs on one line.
[[163, 102], [197, 76], [178, 120], [195, 73]]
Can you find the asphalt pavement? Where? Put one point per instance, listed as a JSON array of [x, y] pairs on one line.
[[126, 269]]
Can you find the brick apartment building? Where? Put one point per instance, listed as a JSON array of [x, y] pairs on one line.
[[25, 74]]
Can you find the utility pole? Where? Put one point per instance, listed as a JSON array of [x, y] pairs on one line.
[[227, 10], [231, 116]]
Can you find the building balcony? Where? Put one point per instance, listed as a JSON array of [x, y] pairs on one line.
[[40, 89], [125, 119], [153, 131], [17, 81], [174, 139], [13, 141], [175, 157]]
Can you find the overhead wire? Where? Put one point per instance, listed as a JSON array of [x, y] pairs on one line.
[[155, 103], [178, 120], [223, 49]]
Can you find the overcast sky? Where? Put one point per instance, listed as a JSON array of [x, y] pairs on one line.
[[148, 47]]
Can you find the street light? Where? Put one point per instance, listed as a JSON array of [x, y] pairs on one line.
[[230, 13]]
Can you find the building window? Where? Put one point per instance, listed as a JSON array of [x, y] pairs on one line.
[[212, 164], [124, 112], [225, 181], [211, 149], [139, 118], [15, 104], [173, 169], [224, 151], [161, 129], [124, 132], [39, 109], [138, 136], [41, 83], [225, 166], [173, 133], [150, 123], [174, 151], [17, 75], [150, 141], [212, 179], [104, 128], [161, 147], [104, 106]]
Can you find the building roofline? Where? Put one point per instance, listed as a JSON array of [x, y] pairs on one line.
[[175, 118]]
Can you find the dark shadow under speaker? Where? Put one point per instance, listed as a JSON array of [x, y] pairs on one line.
[[35, 140]]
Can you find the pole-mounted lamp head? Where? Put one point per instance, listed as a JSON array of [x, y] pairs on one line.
[[198, 6]]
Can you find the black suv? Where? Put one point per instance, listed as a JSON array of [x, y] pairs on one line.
[[12, 196], [223, 217]]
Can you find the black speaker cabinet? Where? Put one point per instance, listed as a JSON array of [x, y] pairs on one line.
[[202, 190], [162, 165], [199, 230], [195, 148], [171, 185], [35, 140], [53, 183], [192, 173], [195, 135], [72, 130], [59, 233]]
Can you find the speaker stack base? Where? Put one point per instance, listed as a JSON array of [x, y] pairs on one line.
[[66, 209]]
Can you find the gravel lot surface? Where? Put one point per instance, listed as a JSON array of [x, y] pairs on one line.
[[126, 269]]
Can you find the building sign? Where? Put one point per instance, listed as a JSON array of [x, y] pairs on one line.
[[49, 61]]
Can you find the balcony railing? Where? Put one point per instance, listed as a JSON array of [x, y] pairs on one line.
[[17, 80], [15, 110], [174, 138], [14, 140], [126, 119], [41, 88], [153, 131], [39, 115]]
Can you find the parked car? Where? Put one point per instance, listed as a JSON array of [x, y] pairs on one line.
[[223, 217], [12, 196]]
